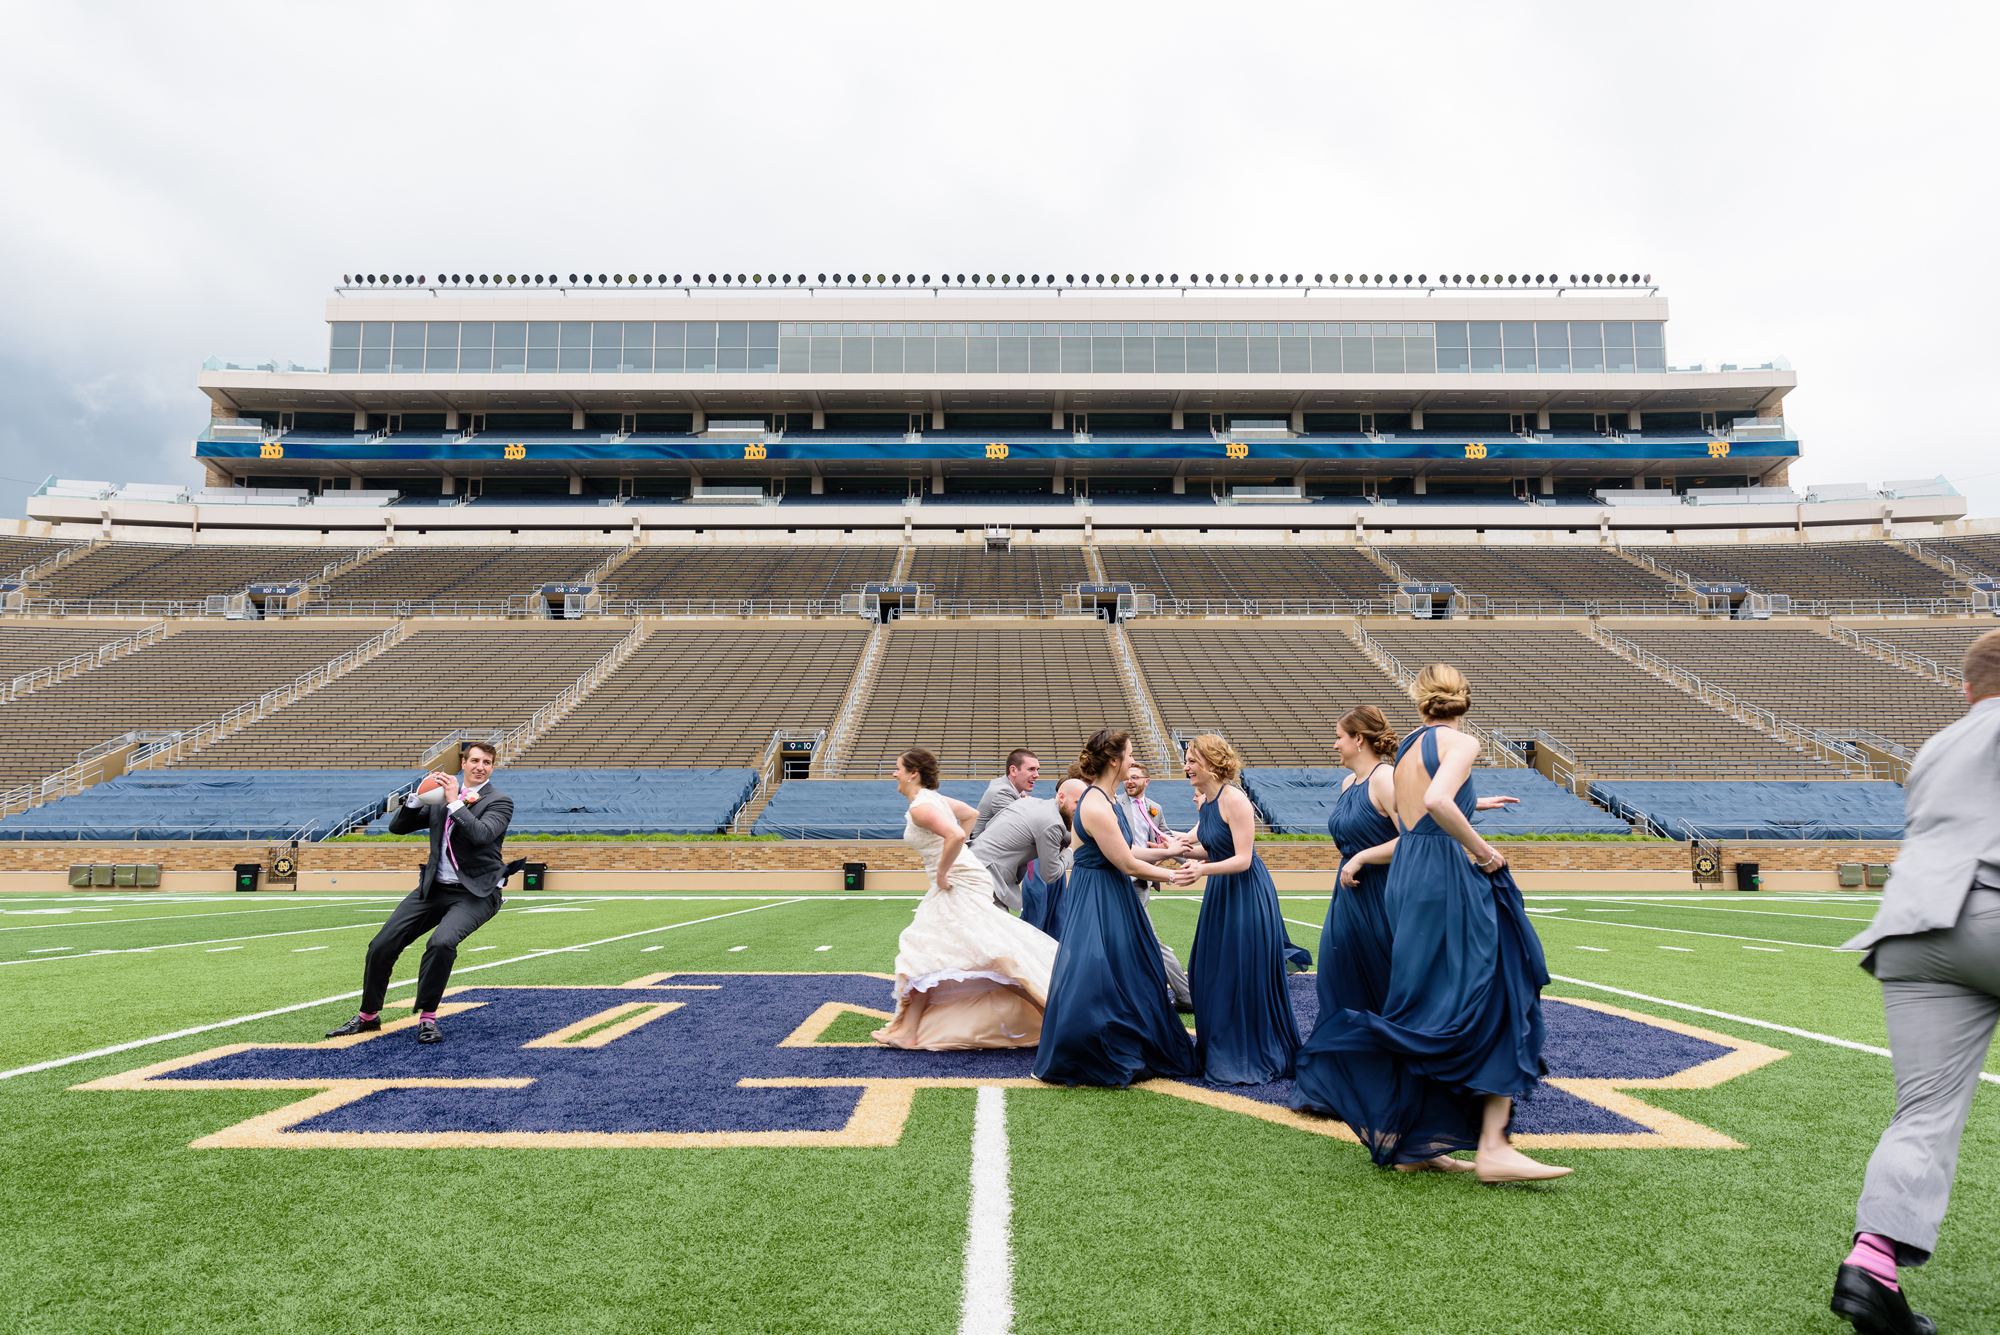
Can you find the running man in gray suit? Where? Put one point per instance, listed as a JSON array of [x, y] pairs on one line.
[[1935, 948], [1023, 768], [1028, 829]]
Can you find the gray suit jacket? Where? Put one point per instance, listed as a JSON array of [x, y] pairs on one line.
[[1951, 806], [999, 795], [1029, 827]]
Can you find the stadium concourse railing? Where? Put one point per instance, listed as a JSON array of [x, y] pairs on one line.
[[832, 755], [149, 750], [1816, 742], [29, 682], [520, 737], [1901, 657], [770, 771]]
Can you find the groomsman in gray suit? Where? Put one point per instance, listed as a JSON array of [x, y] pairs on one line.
[[1028, 829], [1023, 768], [1935, 948]]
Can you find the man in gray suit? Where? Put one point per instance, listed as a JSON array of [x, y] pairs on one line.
[[1023, 768], [1028, 829], [1935, 948]]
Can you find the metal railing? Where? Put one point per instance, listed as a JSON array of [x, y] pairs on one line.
[[1822, 608], [400, 608], [1141, 698], [1901, 657], [840, 737], [30, 574], [520, 738], [1813, 741], [1933, 555], [171, 608], [1586, 607], [769, 773], [722, 607], [1267, 607], [29, 682]]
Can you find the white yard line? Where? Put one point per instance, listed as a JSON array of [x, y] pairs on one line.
[[1744, 1019], [989, 1246], [164, 917], [179, 945], [1689, 931], [1717, 908], [348, 996]]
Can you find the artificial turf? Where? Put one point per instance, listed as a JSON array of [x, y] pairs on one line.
[[1132, 1211]]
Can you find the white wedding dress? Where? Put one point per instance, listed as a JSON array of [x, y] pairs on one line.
[[968, 973]]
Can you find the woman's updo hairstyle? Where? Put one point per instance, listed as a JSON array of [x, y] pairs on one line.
[[1105, 748], [1216, 753], [1367, 723], [1443, 692], [922, 764]]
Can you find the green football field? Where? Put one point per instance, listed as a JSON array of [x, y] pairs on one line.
[[591, 1149]]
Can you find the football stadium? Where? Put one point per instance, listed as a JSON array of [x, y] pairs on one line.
[[697, 562]]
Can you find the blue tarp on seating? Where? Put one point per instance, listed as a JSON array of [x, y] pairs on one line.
[[1298, 801], [621, 801], [209, 804], [1832, 809]]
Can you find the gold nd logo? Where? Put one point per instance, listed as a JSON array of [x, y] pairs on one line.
[[1236, 451], [516, 451], [1718, 449], [754, 452], [996, 451], [1475, 451], [270, 451]]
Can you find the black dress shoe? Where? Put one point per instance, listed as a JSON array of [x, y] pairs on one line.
[[357, 1025], [428, 1032], [1874, 1307]]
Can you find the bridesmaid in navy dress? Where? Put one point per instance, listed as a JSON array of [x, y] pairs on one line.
[[1110, 1019], [1245, 1033], [1462, 1018]]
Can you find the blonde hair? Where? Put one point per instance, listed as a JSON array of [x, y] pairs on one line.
[[1443, 692], [1982, 665], [1216, 753]]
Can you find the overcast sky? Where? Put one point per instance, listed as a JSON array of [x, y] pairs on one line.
[[1809, 181]]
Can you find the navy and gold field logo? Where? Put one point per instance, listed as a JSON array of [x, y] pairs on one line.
[[737, 1060]]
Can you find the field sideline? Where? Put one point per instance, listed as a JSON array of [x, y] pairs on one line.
[[1129, 1210]]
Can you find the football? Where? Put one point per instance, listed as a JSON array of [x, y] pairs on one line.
[[431, 791]]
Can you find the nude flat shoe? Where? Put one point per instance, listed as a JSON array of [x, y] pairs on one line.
[[1527, 1170]]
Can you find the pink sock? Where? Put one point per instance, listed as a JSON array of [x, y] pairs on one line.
[[369, 1015], [428, 1015], [1877, 1255]]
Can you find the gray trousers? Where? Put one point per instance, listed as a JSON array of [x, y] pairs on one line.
[[1941, 991], [1177, 981]]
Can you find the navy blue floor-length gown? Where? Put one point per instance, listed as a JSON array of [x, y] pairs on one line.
[[1110, 1020], [1462, 1017], [1354, 943], [1245, 1033]]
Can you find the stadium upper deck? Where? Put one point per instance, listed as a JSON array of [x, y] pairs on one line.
[[653, 382]]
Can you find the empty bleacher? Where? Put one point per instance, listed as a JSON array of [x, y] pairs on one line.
[[461, 574], [972, 694], [1275, 693], [138, 571], [1533, 574], [183, 681], [30, 648], [1945, 645], [1811, 679], [17, 554], [1217, 571], [775, 571], [1616, 718], [706, 696], [1821, 570], [1026, 574], [1981, 552], [386, 712]]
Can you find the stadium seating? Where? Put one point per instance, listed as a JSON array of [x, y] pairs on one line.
[[972, 694], [460, 574], [30, 648], [1275, 693], [1980, 551], [1616, 718], [210, 804], [1821, 570], [1299, 801], [1215, 571], [1533, 574], [1029, 573], [618, 801], [757, 572], [135, 571], [1811, 679], [386, 712], [1743, 810], [17, 554], [706, 696], [183, 681], [1945, 645]]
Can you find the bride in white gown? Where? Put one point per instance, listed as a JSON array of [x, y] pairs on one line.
[[968, 973]]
